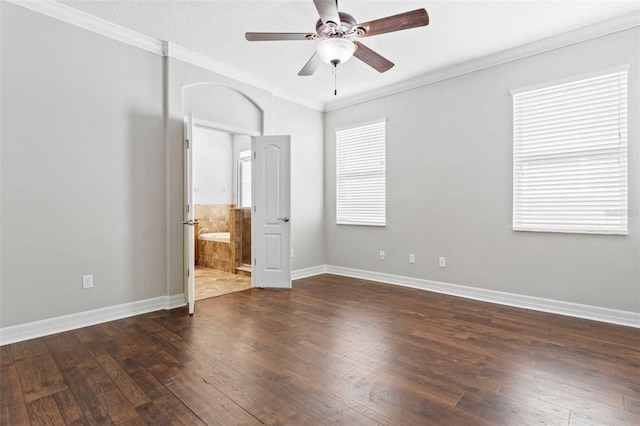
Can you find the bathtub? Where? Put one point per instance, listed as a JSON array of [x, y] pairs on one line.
[[221, 237]]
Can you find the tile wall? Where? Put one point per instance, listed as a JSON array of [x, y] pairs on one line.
[[215, 254], [242, 221], [223, 218], [246, 236], [214, 217]]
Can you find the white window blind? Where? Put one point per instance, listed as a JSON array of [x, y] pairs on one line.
[[244, 165], [570, 156], [360, 175]]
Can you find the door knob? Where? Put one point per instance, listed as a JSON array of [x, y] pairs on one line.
[[284, 219]]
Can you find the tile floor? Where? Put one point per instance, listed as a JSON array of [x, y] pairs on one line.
[[211, 282]]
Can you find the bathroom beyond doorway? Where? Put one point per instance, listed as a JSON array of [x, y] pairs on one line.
[[222, 200]]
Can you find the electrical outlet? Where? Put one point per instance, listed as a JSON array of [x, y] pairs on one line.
[[412, 258], [442, 262], [382, 255], [87, 281]]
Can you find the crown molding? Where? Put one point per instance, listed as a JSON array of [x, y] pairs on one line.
[[178, 52], [92, 23], [116, 32], [615, 25]]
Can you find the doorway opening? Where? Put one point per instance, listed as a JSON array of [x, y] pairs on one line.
[[222, 210]]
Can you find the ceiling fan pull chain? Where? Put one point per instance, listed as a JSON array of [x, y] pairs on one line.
[[335, 79]]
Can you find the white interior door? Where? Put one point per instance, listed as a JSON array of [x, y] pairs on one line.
[[272, 212], [189, 222]]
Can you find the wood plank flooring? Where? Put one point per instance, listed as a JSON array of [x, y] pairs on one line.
[[332, 351]]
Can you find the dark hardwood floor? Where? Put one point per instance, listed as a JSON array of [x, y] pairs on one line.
[[331, 351]]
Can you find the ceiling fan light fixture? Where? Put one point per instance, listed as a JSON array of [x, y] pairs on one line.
[[336, 50]]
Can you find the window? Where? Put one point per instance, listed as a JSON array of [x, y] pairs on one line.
[[244, 179], [570, 156], [360, 175]]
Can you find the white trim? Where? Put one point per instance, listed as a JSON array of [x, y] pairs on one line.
[[92, 23], [41, 328], [625, 67], [163, 48], [596, 313], [198, 122], [308, 272], [178, 52], [615, 25], [360, 124], [31, 330], [593, 133], [175, 301], [361, 180], [185, 55]]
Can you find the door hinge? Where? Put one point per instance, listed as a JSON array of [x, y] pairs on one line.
[[187, 208], [254, 209], [255, 261], [187, 141], [254, 155], [188, 272]]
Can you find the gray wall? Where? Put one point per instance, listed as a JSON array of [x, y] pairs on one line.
[[91, 167], [212, 97], [83, 170], [212, 167], [91, 177], [278, 117], [307, 180], [449, 183]]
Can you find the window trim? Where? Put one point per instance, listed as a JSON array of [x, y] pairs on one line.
[[567, 80], [623, 125], [244, 156], [353, 127]]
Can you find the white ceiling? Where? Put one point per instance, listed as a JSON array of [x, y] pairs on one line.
[[458, 32]]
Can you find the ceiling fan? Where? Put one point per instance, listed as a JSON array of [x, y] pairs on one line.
[[338, 31]]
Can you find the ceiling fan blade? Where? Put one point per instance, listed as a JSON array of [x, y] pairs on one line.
[[402, 21], [328, 10], [278, 36], [311, 66], [371, 58]]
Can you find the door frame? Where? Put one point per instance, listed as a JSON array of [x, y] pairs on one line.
[[224, 127], [220, 127]]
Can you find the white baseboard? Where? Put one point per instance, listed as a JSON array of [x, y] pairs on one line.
[[31, 330], [596, 313], [175, 301], [308, 272], [46, 327]]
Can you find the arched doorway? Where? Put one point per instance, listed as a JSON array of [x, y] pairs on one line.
[[218, 234]]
